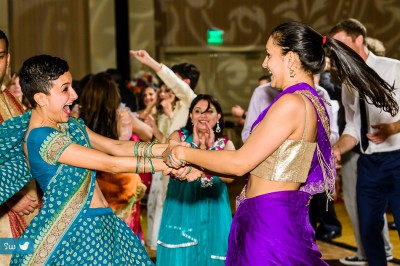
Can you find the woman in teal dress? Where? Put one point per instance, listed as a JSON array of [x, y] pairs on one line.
[[75, 226], [197, 215]]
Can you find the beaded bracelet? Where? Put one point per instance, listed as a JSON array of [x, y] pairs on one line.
[[144, 149], [151, 166], [136, 149], [138, 159]]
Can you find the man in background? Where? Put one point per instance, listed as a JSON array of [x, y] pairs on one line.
[[377, 174], [17, 212]]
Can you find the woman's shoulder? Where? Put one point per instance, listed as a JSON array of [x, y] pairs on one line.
[[49, 142], [289, 102], [40, 133]]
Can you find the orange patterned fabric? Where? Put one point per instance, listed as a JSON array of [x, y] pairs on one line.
[[120, 189]]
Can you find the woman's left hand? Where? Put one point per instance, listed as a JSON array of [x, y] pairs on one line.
[[189, 173], [194, 174], [210, 136]]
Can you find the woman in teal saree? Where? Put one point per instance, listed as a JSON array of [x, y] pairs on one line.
[[75, 226]]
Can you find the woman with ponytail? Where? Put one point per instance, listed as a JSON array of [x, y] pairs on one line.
[[288, 154]]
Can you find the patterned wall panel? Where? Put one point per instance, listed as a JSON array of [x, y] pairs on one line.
[[184, 22], [229, 74], [232, 75]]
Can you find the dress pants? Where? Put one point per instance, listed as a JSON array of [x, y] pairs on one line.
[[378, 183], [349, 182]]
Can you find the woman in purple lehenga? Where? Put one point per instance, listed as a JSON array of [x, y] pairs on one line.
[[288, 153]]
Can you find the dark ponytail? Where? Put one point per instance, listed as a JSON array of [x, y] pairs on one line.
[[353, 70], [310, 46]]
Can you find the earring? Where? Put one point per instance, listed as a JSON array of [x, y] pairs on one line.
[[292, 74], [218, 128]]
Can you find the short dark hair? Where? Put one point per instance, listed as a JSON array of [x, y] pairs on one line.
[[188, 71], [351, 27], [3, 36], [38, 72], [266, 77]]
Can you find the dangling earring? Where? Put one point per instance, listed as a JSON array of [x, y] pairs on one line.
[[292, 74], [192, 123], [218, 128]]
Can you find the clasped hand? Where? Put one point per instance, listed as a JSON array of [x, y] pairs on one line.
[[179, 168]]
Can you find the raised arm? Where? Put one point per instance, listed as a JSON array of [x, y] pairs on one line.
[[180, 88], [141, 129], [129, 123]]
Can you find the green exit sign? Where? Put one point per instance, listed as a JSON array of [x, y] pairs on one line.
[[215, 36]]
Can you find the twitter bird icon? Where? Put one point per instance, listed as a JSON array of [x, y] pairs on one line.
[[24, 246]]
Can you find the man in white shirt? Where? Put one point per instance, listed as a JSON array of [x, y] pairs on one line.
[[261, 98], [182, 80], [378, 167]]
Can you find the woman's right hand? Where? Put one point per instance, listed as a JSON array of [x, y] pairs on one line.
[[150, 121], [188, 173], [146, 59], [204, 140], [141, 55], [167, 107]]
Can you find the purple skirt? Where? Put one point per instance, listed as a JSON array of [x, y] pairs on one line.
[[273, 229]]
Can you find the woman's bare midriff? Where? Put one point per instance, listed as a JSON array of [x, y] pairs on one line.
[[98, 200], [258, 186]]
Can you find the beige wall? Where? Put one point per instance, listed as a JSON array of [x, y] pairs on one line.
[[142, 27], [4, 16], [102, 35], [55, 27], [80, 31], [102, 32]]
